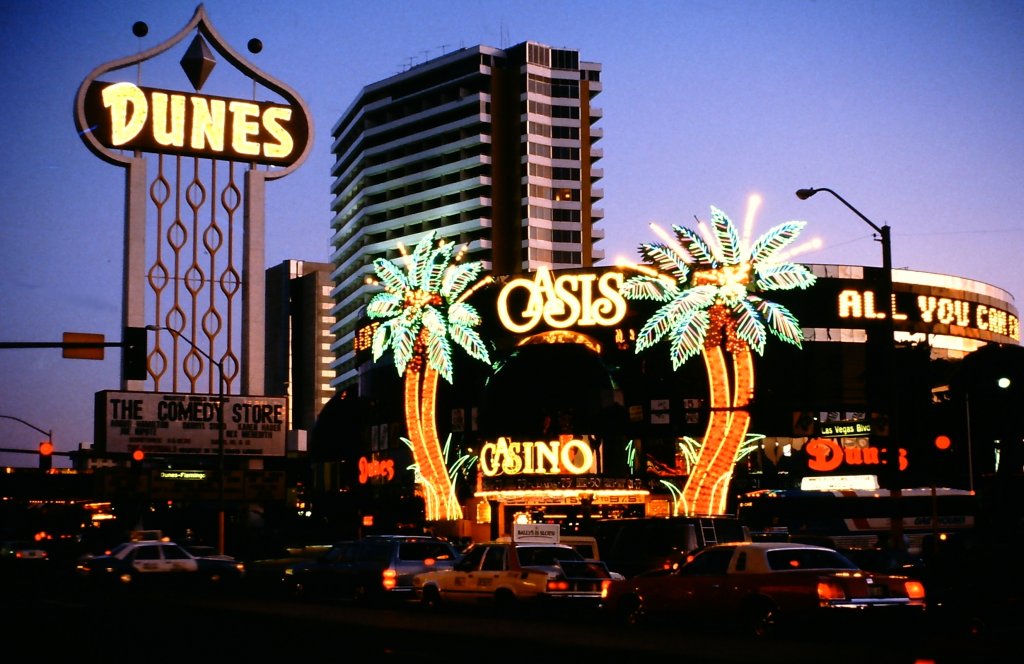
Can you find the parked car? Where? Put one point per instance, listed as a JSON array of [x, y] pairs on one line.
[[157, 561], [22, 552], [506, 575], [373, 568], [762, 586]]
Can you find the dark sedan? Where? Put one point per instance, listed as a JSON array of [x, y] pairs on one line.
[[761, 586]]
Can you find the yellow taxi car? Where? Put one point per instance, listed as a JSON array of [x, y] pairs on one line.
[[506, 574]]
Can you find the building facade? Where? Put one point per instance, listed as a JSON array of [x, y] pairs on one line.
[[493, 149], [569, 421], [298, 338]]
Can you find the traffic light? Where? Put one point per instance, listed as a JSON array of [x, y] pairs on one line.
[[133, 353], [942, 442], [45, 455], [137, 457]]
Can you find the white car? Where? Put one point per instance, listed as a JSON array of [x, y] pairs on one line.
[[130, 562], [506, 575]]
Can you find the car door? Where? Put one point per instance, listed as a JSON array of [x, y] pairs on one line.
[[700, 587], [483, 582], [146, 559], [177, 559], [711, 589], [460, 584]]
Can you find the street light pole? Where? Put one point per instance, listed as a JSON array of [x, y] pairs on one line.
[[888, 349], [49, 434], [220, 429]]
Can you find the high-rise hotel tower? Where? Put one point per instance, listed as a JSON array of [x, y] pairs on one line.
[[493, 149]]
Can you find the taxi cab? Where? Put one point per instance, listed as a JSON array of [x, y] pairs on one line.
[[516, 571]]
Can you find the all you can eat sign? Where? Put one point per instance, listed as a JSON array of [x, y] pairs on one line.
[[166, 423]]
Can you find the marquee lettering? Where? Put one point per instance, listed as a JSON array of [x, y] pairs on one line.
[[563, 301], [536, 458], [933, 310], [126, 116], [858, 304]]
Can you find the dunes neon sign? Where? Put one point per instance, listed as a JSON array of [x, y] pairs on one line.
[[128, 117]]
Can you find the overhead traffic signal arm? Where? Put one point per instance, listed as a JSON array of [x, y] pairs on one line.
[[88, 346]]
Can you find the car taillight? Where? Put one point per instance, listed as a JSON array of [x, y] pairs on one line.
[[604, 588], [429, 562], [915, 589], [389, 579], [830, 591], [558, 584]]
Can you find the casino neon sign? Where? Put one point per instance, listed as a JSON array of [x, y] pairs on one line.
[[558, 457]]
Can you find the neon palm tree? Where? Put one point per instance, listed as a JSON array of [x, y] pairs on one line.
[[426, 311], [706, 289]]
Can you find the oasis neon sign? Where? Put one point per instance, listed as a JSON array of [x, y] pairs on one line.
[[557, 457], [568, 300], [125, 116]]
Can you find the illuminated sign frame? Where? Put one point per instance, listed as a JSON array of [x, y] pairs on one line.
[[571, 456], [124, 116], [171, 423], [576, 299]]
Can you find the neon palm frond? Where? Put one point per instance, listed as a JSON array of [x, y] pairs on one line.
[[783, 276], [688, 335], [749, 326], [676, 313], [460, 277], [642, 287], [666, 259], [390, 276], [693, 243], [728, 238], [774, 240], [725, 274], [751, 444], [780, 321]]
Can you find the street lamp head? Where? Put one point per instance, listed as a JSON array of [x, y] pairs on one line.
[[804, 194]]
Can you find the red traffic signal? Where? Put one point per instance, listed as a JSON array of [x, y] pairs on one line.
[[942, 442], [45, 455], [138, 455]]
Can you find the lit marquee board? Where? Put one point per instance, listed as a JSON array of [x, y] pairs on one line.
[[165, 423], [846, 303]]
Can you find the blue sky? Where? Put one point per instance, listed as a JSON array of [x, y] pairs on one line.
[[910, 110]]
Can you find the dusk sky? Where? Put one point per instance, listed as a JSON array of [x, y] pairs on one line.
[[912, 110]]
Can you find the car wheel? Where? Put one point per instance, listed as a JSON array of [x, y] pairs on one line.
[[431, 598], [630, 611], [761, 620], [505, 602]]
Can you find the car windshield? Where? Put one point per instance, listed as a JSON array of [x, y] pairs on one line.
[[546, 555], [119, 550], [790, 559]]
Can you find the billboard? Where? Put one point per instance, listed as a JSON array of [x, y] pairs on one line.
[[161, 423]]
